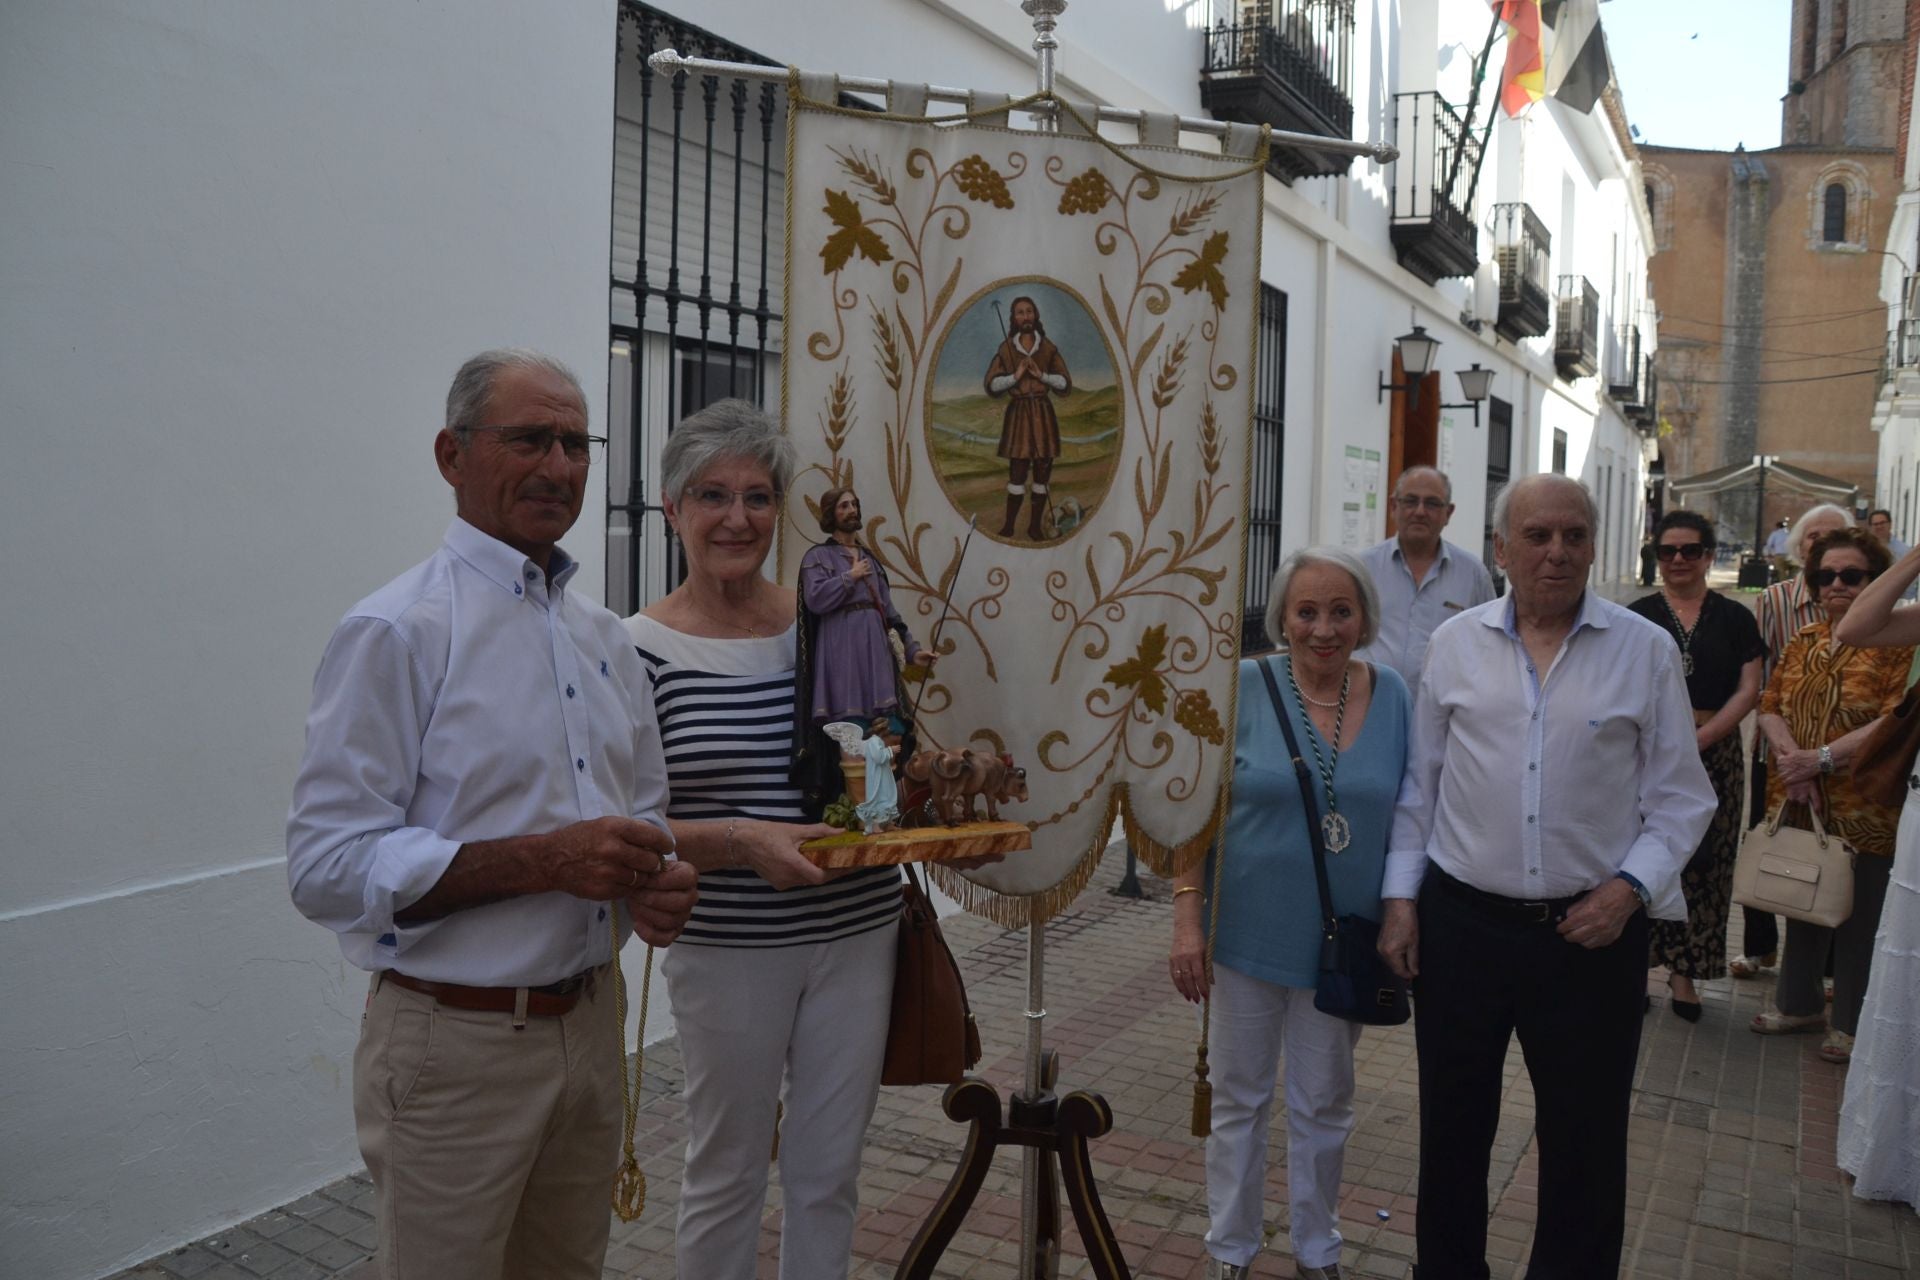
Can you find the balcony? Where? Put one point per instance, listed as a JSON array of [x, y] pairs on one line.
[[1905, 342], [1288, 64], [1522, 248], [1645, 414], [1576, 338], [1623, 365], [1433, 228]]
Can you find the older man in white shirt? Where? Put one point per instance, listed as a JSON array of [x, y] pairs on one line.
[[479, 817], [1553, 794], [1422, 579]]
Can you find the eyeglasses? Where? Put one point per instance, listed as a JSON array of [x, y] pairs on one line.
[[1846, 577], [1687, 551], [716, 498], [1413, 502], [534, 442]]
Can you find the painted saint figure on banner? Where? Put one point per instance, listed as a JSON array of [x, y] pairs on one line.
[[1029, 370], [1025, 411]]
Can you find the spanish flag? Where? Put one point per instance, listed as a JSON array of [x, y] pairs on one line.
[[1523, 82]]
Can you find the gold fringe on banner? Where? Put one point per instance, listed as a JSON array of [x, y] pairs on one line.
[[1018, 910]]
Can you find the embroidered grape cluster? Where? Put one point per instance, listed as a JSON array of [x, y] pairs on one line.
[[978, 180], [1087, 193], [1194, 713]]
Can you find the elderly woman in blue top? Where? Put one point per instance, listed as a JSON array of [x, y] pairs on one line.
[[1350, 719]]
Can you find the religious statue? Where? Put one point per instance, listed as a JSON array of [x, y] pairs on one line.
[[867, 764], [847, 667], [1029, 370]]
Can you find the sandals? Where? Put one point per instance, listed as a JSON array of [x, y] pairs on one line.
[[1837, 1047], [1775, 1023], [1750, 966]]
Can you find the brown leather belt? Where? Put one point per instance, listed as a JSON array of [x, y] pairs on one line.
[[551, 1001]]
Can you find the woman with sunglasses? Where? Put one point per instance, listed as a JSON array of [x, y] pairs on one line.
[[1721, 654], [1823, 699], [1784, 609], [1879, 1140]]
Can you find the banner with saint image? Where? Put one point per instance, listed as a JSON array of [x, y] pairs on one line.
[[1050, 335]]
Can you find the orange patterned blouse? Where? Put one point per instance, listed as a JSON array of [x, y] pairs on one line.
[[1824, 693]]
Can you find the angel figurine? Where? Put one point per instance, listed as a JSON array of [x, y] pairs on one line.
[[867, 763]]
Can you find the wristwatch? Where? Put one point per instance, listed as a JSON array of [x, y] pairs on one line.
[[1826, 759], [1639, 890]]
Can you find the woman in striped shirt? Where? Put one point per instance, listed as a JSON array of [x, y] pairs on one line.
[[784, 972]]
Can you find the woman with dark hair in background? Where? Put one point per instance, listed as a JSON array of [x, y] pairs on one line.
[[1721, 654]]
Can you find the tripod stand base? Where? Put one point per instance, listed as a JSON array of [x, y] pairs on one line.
[[1060, 1129]]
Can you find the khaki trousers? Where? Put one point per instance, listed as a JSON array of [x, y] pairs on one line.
[[492, 1150]]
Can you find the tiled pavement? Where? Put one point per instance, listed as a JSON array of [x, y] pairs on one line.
[[1731, 1144]]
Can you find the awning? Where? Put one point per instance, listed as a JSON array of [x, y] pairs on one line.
[[1745, 475]]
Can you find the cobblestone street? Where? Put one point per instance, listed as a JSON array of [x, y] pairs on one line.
[[1732, 1142]]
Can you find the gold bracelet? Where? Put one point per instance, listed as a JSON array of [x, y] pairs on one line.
[[1186, 888]]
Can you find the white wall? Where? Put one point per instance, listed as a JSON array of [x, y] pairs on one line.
[[244, 247]]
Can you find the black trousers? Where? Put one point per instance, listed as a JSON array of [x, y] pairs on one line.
[[1487, 973]]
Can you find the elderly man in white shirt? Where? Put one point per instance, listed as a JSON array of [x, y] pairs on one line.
[[1422, 579], [1553, 794], [479, 817]]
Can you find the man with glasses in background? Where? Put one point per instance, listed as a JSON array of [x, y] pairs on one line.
[[1422, 579], [480, 817]]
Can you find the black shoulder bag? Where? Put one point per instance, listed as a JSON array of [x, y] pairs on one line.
[[1355, 982]]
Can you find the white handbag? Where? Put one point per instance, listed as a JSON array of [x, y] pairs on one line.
[[1807, 875]]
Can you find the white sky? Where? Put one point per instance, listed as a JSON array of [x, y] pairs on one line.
[[1701, 73]]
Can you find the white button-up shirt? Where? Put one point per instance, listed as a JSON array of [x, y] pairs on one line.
[[1456, 581], [1538, 785], [467, 699]]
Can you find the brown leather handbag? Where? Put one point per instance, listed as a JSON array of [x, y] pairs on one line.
[[931, 1036], [1884, 761]]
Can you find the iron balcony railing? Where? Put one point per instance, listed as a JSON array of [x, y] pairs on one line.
[[1905, 345], [1576, 341], [1306, 45], [1623, 364], [1523, 250], [1433, 182]]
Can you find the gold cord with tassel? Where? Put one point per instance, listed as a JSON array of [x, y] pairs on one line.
[[630, 1184], [1202, 1086]]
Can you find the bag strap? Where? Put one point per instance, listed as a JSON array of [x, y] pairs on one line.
[[1306, 797]]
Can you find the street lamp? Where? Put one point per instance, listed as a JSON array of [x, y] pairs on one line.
[[1475, 383], [1416, 351]]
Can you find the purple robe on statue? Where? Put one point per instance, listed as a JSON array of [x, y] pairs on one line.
[[854, 676]]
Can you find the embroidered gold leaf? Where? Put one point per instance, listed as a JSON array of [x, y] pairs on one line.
[[854, 235], [1141, 672], [981, 182], [1087, 193], [1194, 713], [864, 171], [1204, 271]]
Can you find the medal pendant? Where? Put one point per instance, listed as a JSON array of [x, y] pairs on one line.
[[1336, 832], [1686, 664]]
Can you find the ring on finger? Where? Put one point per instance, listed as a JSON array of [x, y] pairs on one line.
[[636, 878]]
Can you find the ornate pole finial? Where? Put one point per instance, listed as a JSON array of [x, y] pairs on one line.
[[1045, 15]]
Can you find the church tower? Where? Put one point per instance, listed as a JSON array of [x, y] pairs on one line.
[[1844, 63]]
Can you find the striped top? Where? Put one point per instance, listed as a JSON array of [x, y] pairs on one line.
[[726, 728]]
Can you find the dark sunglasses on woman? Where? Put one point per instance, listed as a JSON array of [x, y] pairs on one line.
[[1688, 551], [1847, 577]]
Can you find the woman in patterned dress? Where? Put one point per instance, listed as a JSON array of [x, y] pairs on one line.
[[1879, 1139], [1721, 655], [1784, 609], [1823, 700]]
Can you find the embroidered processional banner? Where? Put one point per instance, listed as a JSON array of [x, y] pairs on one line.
[[1051, 336]]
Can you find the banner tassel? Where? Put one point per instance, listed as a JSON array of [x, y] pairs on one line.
[[1202, 1094]]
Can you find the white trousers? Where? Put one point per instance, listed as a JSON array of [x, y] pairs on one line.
[[748, 1018], [1252, 1021]]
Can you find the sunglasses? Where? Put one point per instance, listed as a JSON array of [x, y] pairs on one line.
[[1691, 551], [1847, 577]]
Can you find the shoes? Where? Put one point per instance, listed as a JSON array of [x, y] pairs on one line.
[[1775, 1023], [1750, 966], [1837, 1047], [1685, 1010], [1329, 1272], [1218, 1270]]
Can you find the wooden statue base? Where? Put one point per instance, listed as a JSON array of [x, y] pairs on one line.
[[918, 844]]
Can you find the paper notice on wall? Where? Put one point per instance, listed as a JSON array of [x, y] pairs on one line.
[[1370, 476], [1352, 531], [1446, 443]]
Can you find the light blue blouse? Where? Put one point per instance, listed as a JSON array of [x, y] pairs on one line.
[[1269, 908]]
